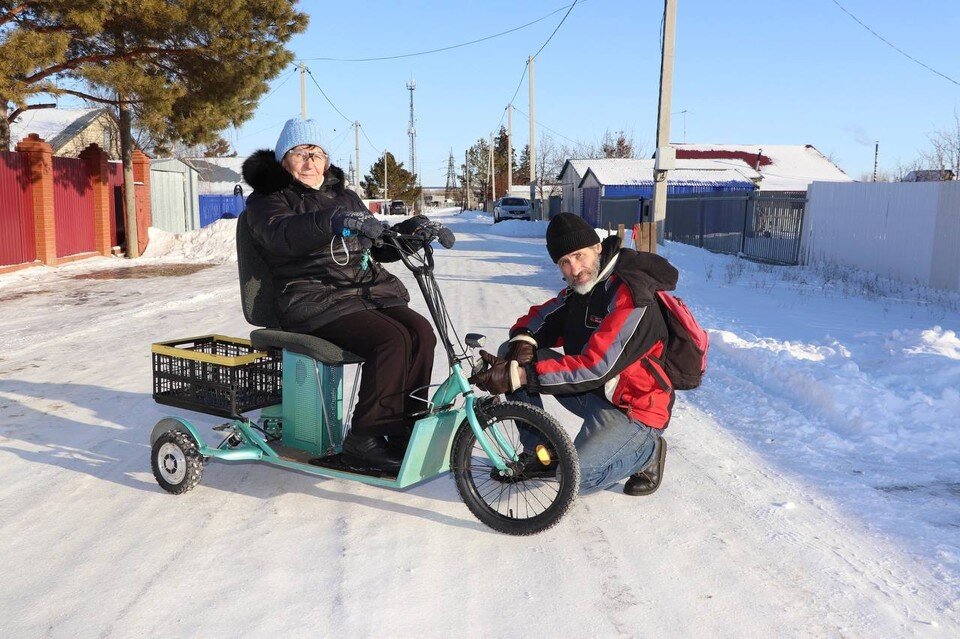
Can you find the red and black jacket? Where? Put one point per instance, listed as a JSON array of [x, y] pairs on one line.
[[612, 337]]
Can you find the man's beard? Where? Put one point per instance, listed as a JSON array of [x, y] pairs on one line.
[[593, 272]]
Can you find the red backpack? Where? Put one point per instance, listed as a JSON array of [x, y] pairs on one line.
[[685, 357]]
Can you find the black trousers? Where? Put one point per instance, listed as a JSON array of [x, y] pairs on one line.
[[397, 346]]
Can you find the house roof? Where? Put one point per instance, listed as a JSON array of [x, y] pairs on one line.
[[218, 169], [623, 171], [56, 126], [783, 167], [579, 167]]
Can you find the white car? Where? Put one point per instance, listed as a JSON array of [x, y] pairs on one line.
[[511, 208]]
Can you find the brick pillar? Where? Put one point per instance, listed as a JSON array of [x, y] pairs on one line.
[[39, 157], [141, 177], [98, 170]]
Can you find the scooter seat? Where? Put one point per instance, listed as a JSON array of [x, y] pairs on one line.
[[319, 349]]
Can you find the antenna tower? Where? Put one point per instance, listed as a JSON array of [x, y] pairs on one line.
[[449, 192], [412, 130]]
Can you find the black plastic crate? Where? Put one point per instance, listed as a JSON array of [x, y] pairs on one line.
[[216, 375]]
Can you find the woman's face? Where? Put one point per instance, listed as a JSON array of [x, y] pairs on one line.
[[306, 163]]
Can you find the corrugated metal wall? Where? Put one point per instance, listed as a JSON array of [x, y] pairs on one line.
[[215, 207], [73, 207], [17, 244], [168, 201], [590, 204], [173, 196], [905, 231]]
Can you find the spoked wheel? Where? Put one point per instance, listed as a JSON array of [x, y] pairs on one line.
[[543, 483], [176, 461]]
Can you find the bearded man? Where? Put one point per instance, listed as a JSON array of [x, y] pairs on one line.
[[610, 374]]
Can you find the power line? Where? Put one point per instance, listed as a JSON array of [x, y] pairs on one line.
[[893, 46], [285, 78], [526, 67], [329, 101], [557, 133], [557, 29], [453, 46]]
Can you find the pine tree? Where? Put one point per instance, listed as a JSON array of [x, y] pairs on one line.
[[402, 184], [521, 174], [182, 70]]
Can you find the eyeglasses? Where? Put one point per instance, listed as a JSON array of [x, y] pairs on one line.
[[302, 156]]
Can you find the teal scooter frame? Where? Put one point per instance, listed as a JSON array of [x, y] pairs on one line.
[[510, 489]]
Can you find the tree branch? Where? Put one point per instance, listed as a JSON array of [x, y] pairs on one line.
[[29, 107], [93, 98], [76, 62], [14, 12]]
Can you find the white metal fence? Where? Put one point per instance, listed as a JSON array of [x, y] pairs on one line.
[[905, 231]]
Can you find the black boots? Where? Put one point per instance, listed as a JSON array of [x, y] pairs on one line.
[[648, 480], [371, 450]]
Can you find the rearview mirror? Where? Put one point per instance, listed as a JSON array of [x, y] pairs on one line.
[[475, 340]]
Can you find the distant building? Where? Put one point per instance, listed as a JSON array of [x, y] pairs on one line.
[[782, 167], [633, 178], [220, 176], [930, 175], [69, 131]]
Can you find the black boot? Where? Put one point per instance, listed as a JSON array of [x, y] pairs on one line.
[[370, 450], [648, 480]]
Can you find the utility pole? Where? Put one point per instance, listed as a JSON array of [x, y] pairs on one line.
[[533, 143], [386, 189], [356, 152], [509, 147], [466, 170], [303, 91], [493, 171], [666, 155]]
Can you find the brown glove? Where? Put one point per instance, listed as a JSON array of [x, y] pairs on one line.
[[500, 376], [522, 349]]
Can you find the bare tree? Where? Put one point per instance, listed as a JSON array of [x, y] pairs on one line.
[[944, 151]]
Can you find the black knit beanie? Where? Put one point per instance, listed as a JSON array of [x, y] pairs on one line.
[[567, 233]]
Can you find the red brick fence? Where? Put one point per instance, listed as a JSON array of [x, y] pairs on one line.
[[55, 210]]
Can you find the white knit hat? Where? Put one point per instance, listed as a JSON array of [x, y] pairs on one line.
[[296, 132]]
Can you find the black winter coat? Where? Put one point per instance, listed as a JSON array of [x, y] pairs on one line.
[[317, 281]]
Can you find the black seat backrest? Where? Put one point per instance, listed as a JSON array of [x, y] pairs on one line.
[[257, 292]]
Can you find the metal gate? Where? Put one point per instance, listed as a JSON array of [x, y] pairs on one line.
[[168, 201], [72, 207], [17, 243], [763, 226], [590, 204]]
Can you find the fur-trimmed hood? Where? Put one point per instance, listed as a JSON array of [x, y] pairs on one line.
[[262, 171]]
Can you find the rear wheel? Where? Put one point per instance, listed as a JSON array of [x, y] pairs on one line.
[[541, 486], [176, 461]]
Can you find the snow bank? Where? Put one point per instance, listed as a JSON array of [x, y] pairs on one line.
[[215, 243]]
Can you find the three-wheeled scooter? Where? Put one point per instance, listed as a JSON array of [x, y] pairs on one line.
[[297, 382]]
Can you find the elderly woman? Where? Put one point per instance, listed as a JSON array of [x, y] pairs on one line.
[[331, 287]]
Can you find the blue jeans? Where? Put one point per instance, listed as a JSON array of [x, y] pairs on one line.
[[611, 446]]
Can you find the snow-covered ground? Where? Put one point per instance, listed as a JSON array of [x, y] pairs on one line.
[[812, 485]]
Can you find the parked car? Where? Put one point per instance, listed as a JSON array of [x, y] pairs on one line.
[[398, 207], [511, 208]]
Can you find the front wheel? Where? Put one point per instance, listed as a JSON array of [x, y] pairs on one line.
[[538, 489], [176, 461]]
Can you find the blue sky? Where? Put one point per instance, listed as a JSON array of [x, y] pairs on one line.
[[747, 72]]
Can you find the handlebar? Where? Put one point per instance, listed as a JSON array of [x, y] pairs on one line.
[[404, 250]]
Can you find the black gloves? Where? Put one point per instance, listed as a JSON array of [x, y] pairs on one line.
[[426, 230], [500, 375], [347, 223]]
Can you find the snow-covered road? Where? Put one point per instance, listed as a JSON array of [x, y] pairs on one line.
[[811, 487]]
